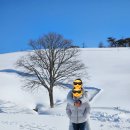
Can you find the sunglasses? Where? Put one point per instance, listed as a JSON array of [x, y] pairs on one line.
[[77, 91], [79, 83]]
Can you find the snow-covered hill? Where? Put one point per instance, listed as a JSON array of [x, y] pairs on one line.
[[109, 69], [109, 72]]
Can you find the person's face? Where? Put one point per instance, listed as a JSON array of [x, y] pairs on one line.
[[77, 92]]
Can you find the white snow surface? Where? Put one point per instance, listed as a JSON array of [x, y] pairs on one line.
[[109, 72]]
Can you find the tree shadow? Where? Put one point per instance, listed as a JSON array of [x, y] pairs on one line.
[[16, 72]]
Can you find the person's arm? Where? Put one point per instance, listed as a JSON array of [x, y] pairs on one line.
[[87, 110], [68, 111]]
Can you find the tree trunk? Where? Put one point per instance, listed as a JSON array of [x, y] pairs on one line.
[[51, 98]]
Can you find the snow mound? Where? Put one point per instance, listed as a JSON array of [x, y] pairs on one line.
[[12, 108]]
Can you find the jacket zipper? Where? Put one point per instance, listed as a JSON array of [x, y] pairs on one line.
[[77, 114]]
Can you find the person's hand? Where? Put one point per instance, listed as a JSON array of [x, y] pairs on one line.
[[77, 103]]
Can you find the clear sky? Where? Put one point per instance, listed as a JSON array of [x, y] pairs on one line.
[[83, 21]]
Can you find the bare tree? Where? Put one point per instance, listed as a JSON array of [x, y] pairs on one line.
[[51, 62]]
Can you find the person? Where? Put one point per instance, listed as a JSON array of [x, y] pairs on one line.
[[78, 107]]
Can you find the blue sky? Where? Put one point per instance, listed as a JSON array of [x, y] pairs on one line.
[[83, 21]]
